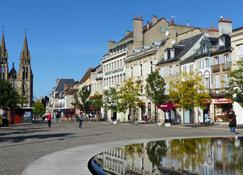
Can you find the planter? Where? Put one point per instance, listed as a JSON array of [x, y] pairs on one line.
[[114, 122], [167, 125], [160, 124]]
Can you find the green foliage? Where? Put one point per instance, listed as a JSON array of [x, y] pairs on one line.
[[236, 82], [156, 150], [81, 99], [111, 100], [155, 88], [9, 98], [188, 91], [129, 94], [39, 109], [96, 101]]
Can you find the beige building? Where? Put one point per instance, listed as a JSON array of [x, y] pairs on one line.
[[237, 45], [113, 68], [150, 42]]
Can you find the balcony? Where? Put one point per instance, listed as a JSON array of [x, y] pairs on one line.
[[227, 66], [221, 92], [215, 68]]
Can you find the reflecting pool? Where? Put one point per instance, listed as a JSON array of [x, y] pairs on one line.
[[206, 156]]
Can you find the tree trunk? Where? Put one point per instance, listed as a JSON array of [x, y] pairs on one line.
[[155, 113]]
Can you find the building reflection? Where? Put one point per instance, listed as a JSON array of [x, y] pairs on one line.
[[207, 156]]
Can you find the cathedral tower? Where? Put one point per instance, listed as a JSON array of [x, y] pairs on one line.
[[3, 59], [25, 76]]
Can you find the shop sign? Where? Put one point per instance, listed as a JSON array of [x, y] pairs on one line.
[[222, 101], [114, 71]]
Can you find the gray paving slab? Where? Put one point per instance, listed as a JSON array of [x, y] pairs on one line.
[[23, 146]]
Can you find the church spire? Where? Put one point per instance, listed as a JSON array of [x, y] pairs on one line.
[[3, 47], [25, 51]]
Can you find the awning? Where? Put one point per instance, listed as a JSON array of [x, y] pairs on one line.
[[167, 106]]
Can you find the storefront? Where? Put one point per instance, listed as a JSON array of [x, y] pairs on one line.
[[221, 106], [170, 112]]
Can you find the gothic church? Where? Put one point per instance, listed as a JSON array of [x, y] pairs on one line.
[[22, 81]]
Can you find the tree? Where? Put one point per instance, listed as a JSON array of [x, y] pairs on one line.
[[81, 99], [97, 102], [111, 100], [9, 98], [155, 88], [236, 82], [188, 91], [39, 109], [129, 94]]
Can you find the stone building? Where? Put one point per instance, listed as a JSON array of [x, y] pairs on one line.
[[22, 80]]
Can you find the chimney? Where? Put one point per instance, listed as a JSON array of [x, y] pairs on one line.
[[172, 33], [225, 26], [137, 32], [111, 44], [65, 86], [154, 19], [127, 32]]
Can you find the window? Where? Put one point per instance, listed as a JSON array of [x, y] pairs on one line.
[[227, 58], [240, 51], [141, 69], [170, 70], [26, 73], [207, 83], [151, 66], [221, 59], [207, 62], [226, 81], [216, 81], [191, 68], [168, 54], [205, 48], [216, 60], [23, 73], [172, 53]]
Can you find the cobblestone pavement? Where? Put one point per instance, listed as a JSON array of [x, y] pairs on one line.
[[20, 145]]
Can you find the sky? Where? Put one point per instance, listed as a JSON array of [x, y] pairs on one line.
[[66, 37]]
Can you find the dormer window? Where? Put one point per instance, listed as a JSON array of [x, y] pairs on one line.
[[168, 54], [172, 53], [205, 48]]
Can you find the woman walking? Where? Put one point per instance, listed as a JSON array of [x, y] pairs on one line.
[[232, 122], [49, 118]]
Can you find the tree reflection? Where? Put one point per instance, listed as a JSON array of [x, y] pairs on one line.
[[131, 151], [155, 151], [190, 152]]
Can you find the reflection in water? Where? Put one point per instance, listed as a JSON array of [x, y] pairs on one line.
[[207, 156]]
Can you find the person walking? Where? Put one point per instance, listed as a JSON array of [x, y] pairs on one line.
[[49, 118], [232, 122], [81, 116]]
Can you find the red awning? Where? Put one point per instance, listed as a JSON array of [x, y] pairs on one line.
[[167, 106]]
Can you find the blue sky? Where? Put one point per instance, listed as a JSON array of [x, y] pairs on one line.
[[68, 36]]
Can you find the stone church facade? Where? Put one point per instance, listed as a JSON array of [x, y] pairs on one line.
[[22, 80]]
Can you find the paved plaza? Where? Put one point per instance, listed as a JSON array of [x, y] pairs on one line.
[[22, 145]]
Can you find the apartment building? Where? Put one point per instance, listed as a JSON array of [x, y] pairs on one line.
[[150, 43]]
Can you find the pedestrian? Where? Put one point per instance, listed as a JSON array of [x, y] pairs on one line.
[[81, 116], [232, 121], [49, 118]]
